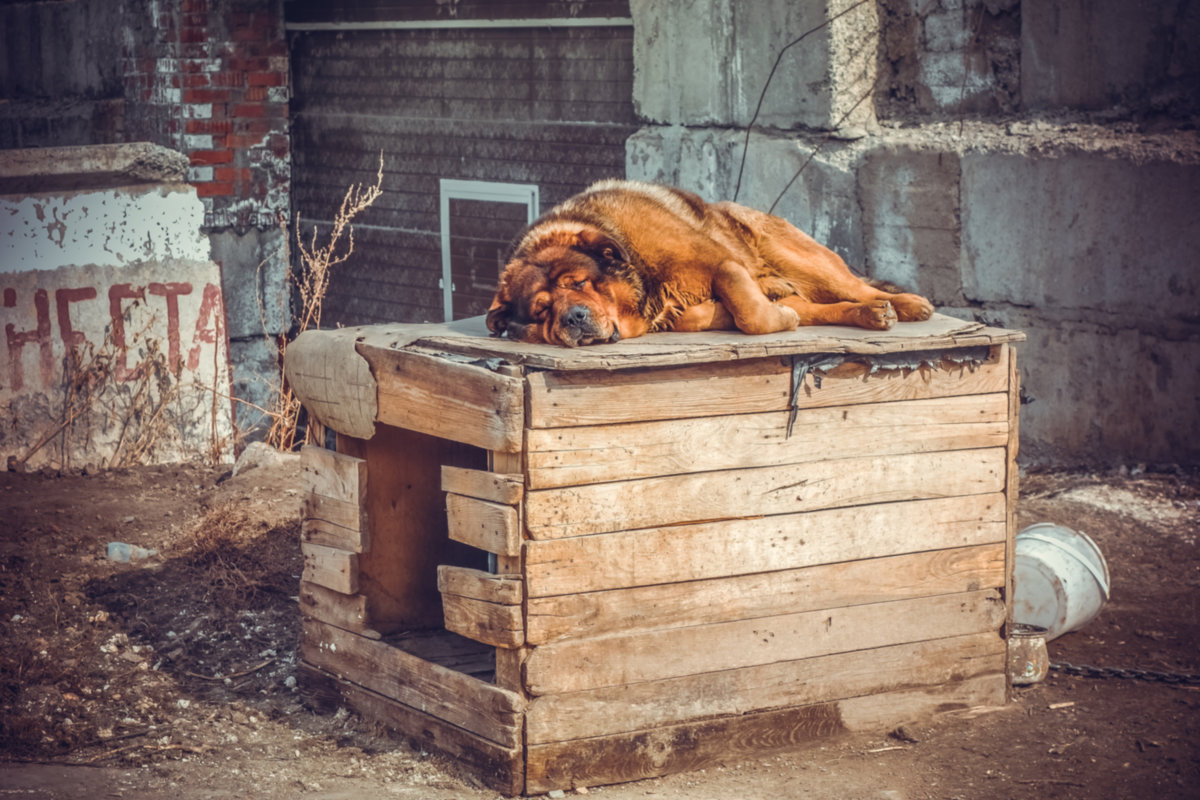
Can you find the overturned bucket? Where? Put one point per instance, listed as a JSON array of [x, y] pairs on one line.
[[1061, 579]]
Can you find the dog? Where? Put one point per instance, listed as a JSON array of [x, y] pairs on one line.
[[626, 258]]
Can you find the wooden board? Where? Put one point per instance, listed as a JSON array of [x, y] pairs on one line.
[[740, 547], [622, 709], [491, 623], [498, 487], [695, 745], [480, 585], [329, 567], [348, 611], [765, 594], [594, 454], [500, 767], [645, 503], [578, 664], [448, 398], [470, 337], [482, 708], [488, 526], [567, 399], [335, 502]]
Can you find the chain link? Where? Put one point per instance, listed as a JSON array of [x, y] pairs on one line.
[[1089, 671]]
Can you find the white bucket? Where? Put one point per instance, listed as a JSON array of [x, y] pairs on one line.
[[1061, 579]]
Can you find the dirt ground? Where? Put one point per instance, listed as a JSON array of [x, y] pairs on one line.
[[173, 676]]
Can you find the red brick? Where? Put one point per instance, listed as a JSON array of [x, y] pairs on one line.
[[194, 6], [266, 79], [232, 174], [205, 157], [193, 80], [247, 63], [214, 126], [214, 189], [206, 95], [230, 77], [255, 94], [248, 110], [193, 35]]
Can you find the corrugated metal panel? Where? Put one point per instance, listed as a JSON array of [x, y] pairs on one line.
[[545, 106]]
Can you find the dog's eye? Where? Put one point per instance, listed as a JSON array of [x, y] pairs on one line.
[[579, 286]]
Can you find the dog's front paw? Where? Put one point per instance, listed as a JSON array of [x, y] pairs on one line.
[[877, 316], [912, 307], [790, 317]]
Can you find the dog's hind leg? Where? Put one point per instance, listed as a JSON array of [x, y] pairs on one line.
[[752, 311]]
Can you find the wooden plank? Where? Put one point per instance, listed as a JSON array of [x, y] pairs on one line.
[[489, 526], [319, 531], [558, 399], [334, 475], [594, 454], [491, 623], [448, 398], [578, 664], [739, 547], [500, 767], [566, 399], [1012, 484], [482, 708], [498, 487], [329, 567], [696, 745], [621, 709], [335, 505], [480, 585], [675, 605], [347, 611], [644, 503]]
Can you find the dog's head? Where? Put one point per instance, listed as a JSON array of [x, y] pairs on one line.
[[563, 289]]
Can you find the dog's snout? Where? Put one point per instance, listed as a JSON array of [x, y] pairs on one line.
[[576, 316]]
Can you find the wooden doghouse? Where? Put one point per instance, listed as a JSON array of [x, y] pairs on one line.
[[579, 567]]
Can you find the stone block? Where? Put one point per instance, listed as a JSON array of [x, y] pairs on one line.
[[256, 262]]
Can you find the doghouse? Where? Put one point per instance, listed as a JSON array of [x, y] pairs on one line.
[[574, 567]]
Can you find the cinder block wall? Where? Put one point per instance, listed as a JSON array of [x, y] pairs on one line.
[[1021, 166]]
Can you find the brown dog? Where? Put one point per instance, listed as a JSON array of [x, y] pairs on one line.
[[624, 258]]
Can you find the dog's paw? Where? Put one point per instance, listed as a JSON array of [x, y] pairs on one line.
[[878, 316], [790, 317], [912, 307]]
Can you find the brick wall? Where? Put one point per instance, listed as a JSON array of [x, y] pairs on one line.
[[210, 79]]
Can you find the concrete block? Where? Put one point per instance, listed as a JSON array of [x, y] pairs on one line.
[[1083, 231], [257, 379], [1104, 394], [706, 62], [1094, 54], [911, 218], [256, 263]]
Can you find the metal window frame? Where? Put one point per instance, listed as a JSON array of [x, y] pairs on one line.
[[488, 191]]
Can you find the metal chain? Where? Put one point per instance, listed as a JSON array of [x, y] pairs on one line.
[[1089, 671]]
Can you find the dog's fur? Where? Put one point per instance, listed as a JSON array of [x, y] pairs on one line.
[[625, 258]]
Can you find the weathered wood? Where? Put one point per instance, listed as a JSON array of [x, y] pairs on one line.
[[678, 748], [480, 585], [675, 605], [501, 767], [447, 398], [329, 567], [578, 664], [489, 526], [566, 399], [644, 503], [335, 504], [318, 531], [1012, 486], [882, 712], [558, 399], [491, 623], [653, 704], [348, 611], [740, 547], [570, 456], [487, 710], [507, 489]]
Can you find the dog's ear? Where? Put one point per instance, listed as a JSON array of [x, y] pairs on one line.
[[498, 316], [602, 247]]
